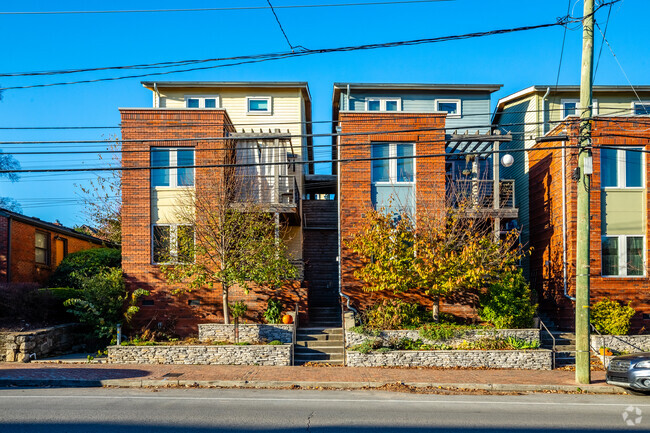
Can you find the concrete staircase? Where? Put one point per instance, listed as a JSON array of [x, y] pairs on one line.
[[322, 340], [565, 344]]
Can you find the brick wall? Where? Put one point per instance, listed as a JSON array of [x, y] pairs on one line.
[[546, 222], [355, 180], [187, 128]]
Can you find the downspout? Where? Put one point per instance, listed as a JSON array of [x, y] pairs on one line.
[[9, 249], [338, 197], [347, 98], [564, 225], [155, 88], [544, 115]]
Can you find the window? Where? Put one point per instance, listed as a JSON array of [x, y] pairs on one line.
[[396, 170], [571, 107], [258, 105], [42, 248], [197, 101], [178, 162], [621, 168], [623, 256], [449, 106], [383, 104], [641, 108], [172, 243]]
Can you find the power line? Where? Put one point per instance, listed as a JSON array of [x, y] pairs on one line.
[[241, 8], [283, 55], [277, 20], [602, 43]]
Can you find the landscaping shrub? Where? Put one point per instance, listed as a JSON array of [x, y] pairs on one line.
[[102, 300], [611, 318], [507, 303], [83, 264], [22, 304], [510, 343], [273, 313], [394, 314], [444, 331]]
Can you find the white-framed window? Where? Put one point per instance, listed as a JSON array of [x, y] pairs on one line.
[[259, 105], [622, 168], [383, 104], [202, 101], [172, 243], [623, 256], [571, 107], [42, 248], [177, 168], [449, 106], [399, 169], [641, 108]]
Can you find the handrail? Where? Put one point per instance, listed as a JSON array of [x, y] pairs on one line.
[[542, 324]]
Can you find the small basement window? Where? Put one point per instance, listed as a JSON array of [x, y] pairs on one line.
[[194, 302], [147, 302]]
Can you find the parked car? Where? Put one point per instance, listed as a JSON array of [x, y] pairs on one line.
[[631, 372]]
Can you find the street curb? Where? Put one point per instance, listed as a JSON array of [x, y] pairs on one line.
[[139, 383]]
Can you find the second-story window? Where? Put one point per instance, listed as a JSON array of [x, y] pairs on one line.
[[571, 107], [258, 105], [621, 168], [176, 163], [398, 169], [449, 106], [383, 104], [207, 101]]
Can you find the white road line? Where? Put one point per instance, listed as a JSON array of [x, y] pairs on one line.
[[318, 400]]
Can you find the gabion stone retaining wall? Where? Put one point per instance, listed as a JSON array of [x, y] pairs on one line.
[[529, 335], [518, 359], [249, 333], [621, 343], [215, 355], [41, 343]]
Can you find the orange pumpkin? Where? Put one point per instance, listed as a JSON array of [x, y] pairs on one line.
[[287, 319]]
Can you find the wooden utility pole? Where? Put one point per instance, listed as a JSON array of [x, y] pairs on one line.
[[585, 167]]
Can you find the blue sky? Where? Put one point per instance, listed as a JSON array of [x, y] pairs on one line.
[[51, 42]]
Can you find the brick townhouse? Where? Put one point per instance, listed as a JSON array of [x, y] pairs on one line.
[[207, 124], [619, 216], [419, 120]]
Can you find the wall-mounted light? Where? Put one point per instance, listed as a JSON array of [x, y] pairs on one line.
[[507, 160]]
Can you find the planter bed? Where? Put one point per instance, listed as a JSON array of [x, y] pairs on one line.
[[267, 354], [353, 338], [248, 333], [515, 359], [621, 343]]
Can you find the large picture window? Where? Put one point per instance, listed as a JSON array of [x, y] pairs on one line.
[[623, 255], [621, 168], [172, 243], [399, 168], [177, 163]]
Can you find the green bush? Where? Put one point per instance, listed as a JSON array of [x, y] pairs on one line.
[[103, 302], [62, 293], [444, 331], [611, 318], [83, 264], [273, 313], [393, 314], [507, 303]]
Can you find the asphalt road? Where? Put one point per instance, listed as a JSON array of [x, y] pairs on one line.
[[221, 410]]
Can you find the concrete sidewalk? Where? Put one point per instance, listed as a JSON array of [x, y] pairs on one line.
[[138, 375]]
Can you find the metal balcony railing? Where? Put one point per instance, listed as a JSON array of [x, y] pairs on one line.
[[272, 190], [480, 193]]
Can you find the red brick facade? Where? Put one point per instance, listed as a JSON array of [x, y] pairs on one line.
[[17, 250], [184, 128], [546, 221], [355, 178]]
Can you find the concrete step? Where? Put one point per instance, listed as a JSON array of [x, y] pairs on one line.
[[307, 357], [333, 361], [319, 344], [312, 330]]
